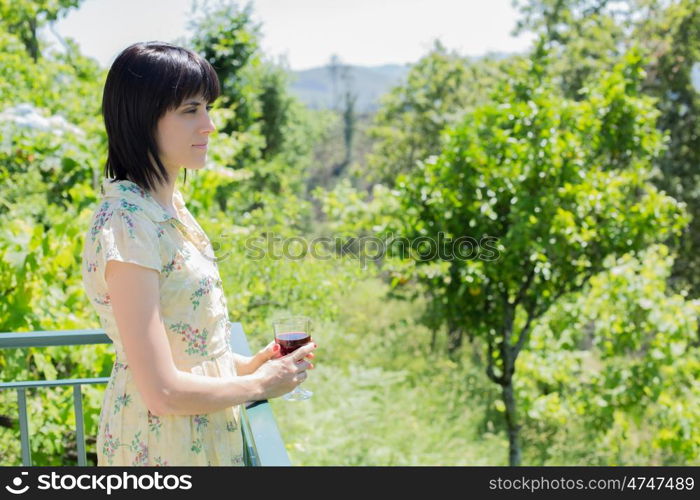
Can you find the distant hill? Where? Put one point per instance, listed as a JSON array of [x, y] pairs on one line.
[[314, 86]]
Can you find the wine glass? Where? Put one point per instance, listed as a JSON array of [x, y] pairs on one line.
[[290, 334]]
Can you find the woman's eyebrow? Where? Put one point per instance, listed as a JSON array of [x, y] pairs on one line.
[[196, 103]]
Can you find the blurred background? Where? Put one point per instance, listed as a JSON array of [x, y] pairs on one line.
[[489, 210]]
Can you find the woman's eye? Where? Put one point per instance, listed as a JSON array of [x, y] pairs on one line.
[[195, 110]]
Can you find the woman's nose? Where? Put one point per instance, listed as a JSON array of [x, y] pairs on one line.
[[208, 124]]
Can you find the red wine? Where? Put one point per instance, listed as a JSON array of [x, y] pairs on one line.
[[291, 341]]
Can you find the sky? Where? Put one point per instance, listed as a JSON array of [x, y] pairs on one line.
[[307, 32]]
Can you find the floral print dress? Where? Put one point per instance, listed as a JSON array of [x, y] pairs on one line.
[[129, 225]]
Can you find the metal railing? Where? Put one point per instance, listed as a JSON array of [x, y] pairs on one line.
[[263, 445]]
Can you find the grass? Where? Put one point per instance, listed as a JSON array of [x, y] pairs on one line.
[[381, 398]]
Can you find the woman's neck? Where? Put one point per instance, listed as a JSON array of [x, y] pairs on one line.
[[163, 194]]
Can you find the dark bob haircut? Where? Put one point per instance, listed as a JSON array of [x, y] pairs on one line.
[[145, 81]]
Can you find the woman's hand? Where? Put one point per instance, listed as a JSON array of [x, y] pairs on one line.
[[245, 365], [281, 374]]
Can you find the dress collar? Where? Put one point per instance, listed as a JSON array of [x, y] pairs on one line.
[[136, 196], [133, 197]]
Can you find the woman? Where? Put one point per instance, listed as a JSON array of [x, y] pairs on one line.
[[149, 269]]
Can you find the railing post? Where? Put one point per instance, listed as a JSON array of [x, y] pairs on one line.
[[79, 430], [24, 427]]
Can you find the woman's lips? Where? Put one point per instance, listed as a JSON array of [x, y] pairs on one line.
[[203, 146]]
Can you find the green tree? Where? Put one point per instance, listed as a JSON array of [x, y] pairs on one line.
[[48, 141], [675, 35], [588, 36], [560, 184], [609, 376], [256, 111], [439, 89], [23, 18], [226, 36], [254, 90]]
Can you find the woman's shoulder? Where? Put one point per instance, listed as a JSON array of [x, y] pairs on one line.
[[130, 198], [116, 212]]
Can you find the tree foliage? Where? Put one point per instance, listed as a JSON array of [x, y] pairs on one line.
[[440, 88], [589, 36]]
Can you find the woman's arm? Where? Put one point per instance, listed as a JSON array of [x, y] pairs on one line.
[[244, 364], [166, 390]]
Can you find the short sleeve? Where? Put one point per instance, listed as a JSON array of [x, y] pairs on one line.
[[130, 237]]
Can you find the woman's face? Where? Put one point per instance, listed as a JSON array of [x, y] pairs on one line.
[[179, 133]]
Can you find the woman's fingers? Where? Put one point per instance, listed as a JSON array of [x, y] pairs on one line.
[[302, 366], [271, 350], [303, 351]]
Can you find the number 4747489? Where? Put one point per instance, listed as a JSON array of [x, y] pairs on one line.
[[660, 482]]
